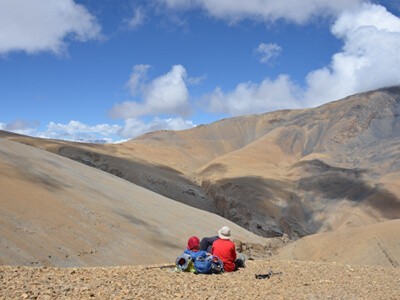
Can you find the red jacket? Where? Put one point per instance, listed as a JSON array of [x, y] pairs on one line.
[[225, 250]]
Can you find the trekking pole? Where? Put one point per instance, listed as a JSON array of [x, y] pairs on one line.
[[160, 267]]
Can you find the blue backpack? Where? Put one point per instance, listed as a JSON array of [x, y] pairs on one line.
[[194, 254], [208, 264], [185, 261]]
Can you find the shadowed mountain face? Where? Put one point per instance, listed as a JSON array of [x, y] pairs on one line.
[[295, 171]]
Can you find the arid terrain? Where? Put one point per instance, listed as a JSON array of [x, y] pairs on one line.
[[297, 172], [314, 194], [55, 211], [375, 245], [295, 280]]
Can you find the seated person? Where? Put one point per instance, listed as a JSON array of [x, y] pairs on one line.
[[225, 249], [207, 242], [193, 247]]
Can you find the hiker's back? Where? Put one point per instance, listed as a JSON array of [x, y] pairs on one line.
[[225, 250]]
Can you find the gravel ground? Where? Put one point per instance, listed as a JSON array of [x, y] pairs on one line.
[[298, 280]]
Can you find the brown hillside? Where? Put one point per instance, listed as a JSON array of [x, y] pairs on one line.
[[376, 244], [296, 171], [55, 211]]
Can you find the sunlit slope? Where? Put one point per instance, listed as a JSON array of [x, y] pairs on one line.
[[188, 150], [376, 244], [59, 212]]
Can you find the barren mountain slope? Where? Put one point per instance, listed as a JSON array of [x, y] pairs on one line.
[[293, 171], [376, 244], [55, 211], [297, 172], [316, 170]]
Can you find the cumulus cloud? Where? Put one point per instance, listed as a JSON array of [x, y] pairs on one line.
[[134, 127], [368, 60], [107, 133], [72, 131], [250, 97], [267, 52], [77, 131], [44, 25], [76, 126], [100, 133], [266, 10], [166, 94]]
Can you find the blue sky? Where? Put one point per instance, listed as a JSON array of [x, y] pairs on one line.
[[106, 71]]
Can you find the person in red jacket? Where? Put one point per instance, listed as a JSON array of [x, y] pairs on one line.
[[225, 249]]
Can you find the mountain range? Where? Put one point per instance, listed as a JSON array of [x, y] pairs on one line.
[[293, 172]]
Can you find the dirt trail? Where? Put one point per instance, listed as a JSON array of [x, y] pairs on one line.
[[299, 280]]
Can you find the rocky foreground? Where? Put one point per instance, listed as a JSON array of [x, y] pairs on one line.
[[293, 280]]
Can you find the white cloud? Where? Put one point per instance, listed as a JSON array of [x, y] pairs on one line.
[[266, 10], [44, 25], [77, 131], [267, 52], [249, 98], [75, 126], [369, 15], [137, 79], [369, 60], [101, 133], [166, 94], [137, 19], [134, 127]]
